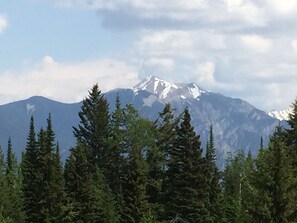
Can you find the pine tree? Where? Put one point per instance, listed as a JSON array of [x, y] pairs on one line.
[[138, 140], [292, 132], [93, 129], [115, 154], [4, 199], [213, 177], [186, 180], [275, 182], [14, 206], [52, 185], [32, 178], [85, 190], [42, 177], [158, 159]]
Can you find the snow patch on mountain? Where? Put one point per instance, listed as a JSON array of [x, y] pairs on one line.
[[150, 100], [30, 109], [282, 114], [166, 91]]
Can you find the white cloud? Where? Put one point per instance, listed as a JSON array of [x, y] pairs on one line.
[[67, 82], [205, 73], [294, 45], [236, 47], [246, 11], [166, 64], [166, 43], [3, 23], [257, 43], [284, 6]]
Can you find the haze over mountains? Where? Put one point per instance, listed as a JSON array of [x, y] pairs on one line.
[[236, 123]]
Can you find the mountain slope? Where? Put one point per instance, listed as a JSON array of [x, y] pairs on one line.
[[236, 123], [15, 119]]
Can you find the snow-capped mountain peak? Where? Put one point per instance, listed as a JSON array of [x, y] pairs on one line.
[[166, 91], [282, 114], [155, 85]]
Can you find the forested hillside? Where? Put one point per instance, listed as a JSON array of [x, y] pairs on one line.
[[126, 168]]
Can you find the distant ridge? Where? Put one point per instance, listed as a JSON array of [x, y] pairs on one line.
[[236, 123]]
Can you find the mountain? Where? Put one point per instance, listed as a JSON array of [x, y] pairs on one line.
[[15, 119], [281, 114], [236, 123]]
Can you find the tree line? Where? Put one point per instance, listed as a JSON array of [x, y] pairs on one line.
[[125, 168]]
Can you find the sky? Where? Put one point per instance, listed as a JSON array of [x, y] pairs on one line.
[[59, 48]]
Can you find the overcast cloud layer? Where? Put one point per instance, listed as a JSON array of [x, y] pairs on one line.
[[241, 48]]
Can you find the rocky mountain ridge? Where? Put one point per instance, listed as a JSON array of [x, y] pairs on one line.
[[236, 123]]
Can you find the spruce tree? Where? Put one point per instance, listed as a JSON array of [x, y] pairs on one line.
[[275, 182], [237, 188], [93, 129], [158, 159], [138, 140], [14, 206], [115, 154], [213, 177], [32, 178], [292, 132], [186, 180], [4, 199], [85, 190], [52, 185]]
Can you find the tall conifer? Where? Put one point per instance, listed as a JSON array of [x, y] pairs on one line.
[[14, 206], [32, 178], [93, 129], [275, 182], [213, 177], [186, 192]]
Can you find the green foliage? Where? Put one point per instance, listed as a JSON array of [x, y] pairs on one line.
[[237, 189], [186, 181], [275, 182], [292, 132], [124, 168], [213, 190], [85, 190], [43, 185], [138, 141], [14, 205], [115, 154], [93, 129], [32, 178], [158, 158]]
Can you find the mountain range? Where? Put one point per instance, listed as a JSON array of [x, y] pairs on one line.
[[236, 123]]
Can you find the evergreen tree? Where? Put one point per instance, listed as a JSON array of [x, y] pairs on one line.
[[237, 189], [3, 187], [186, 180], [93, 129], [275, 182], [213, 177], [115, 154], [52, 185], [14, 206], [86, 190], [32, 178], [138, 140], [292, 132], [43, 187], [158, 159]]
